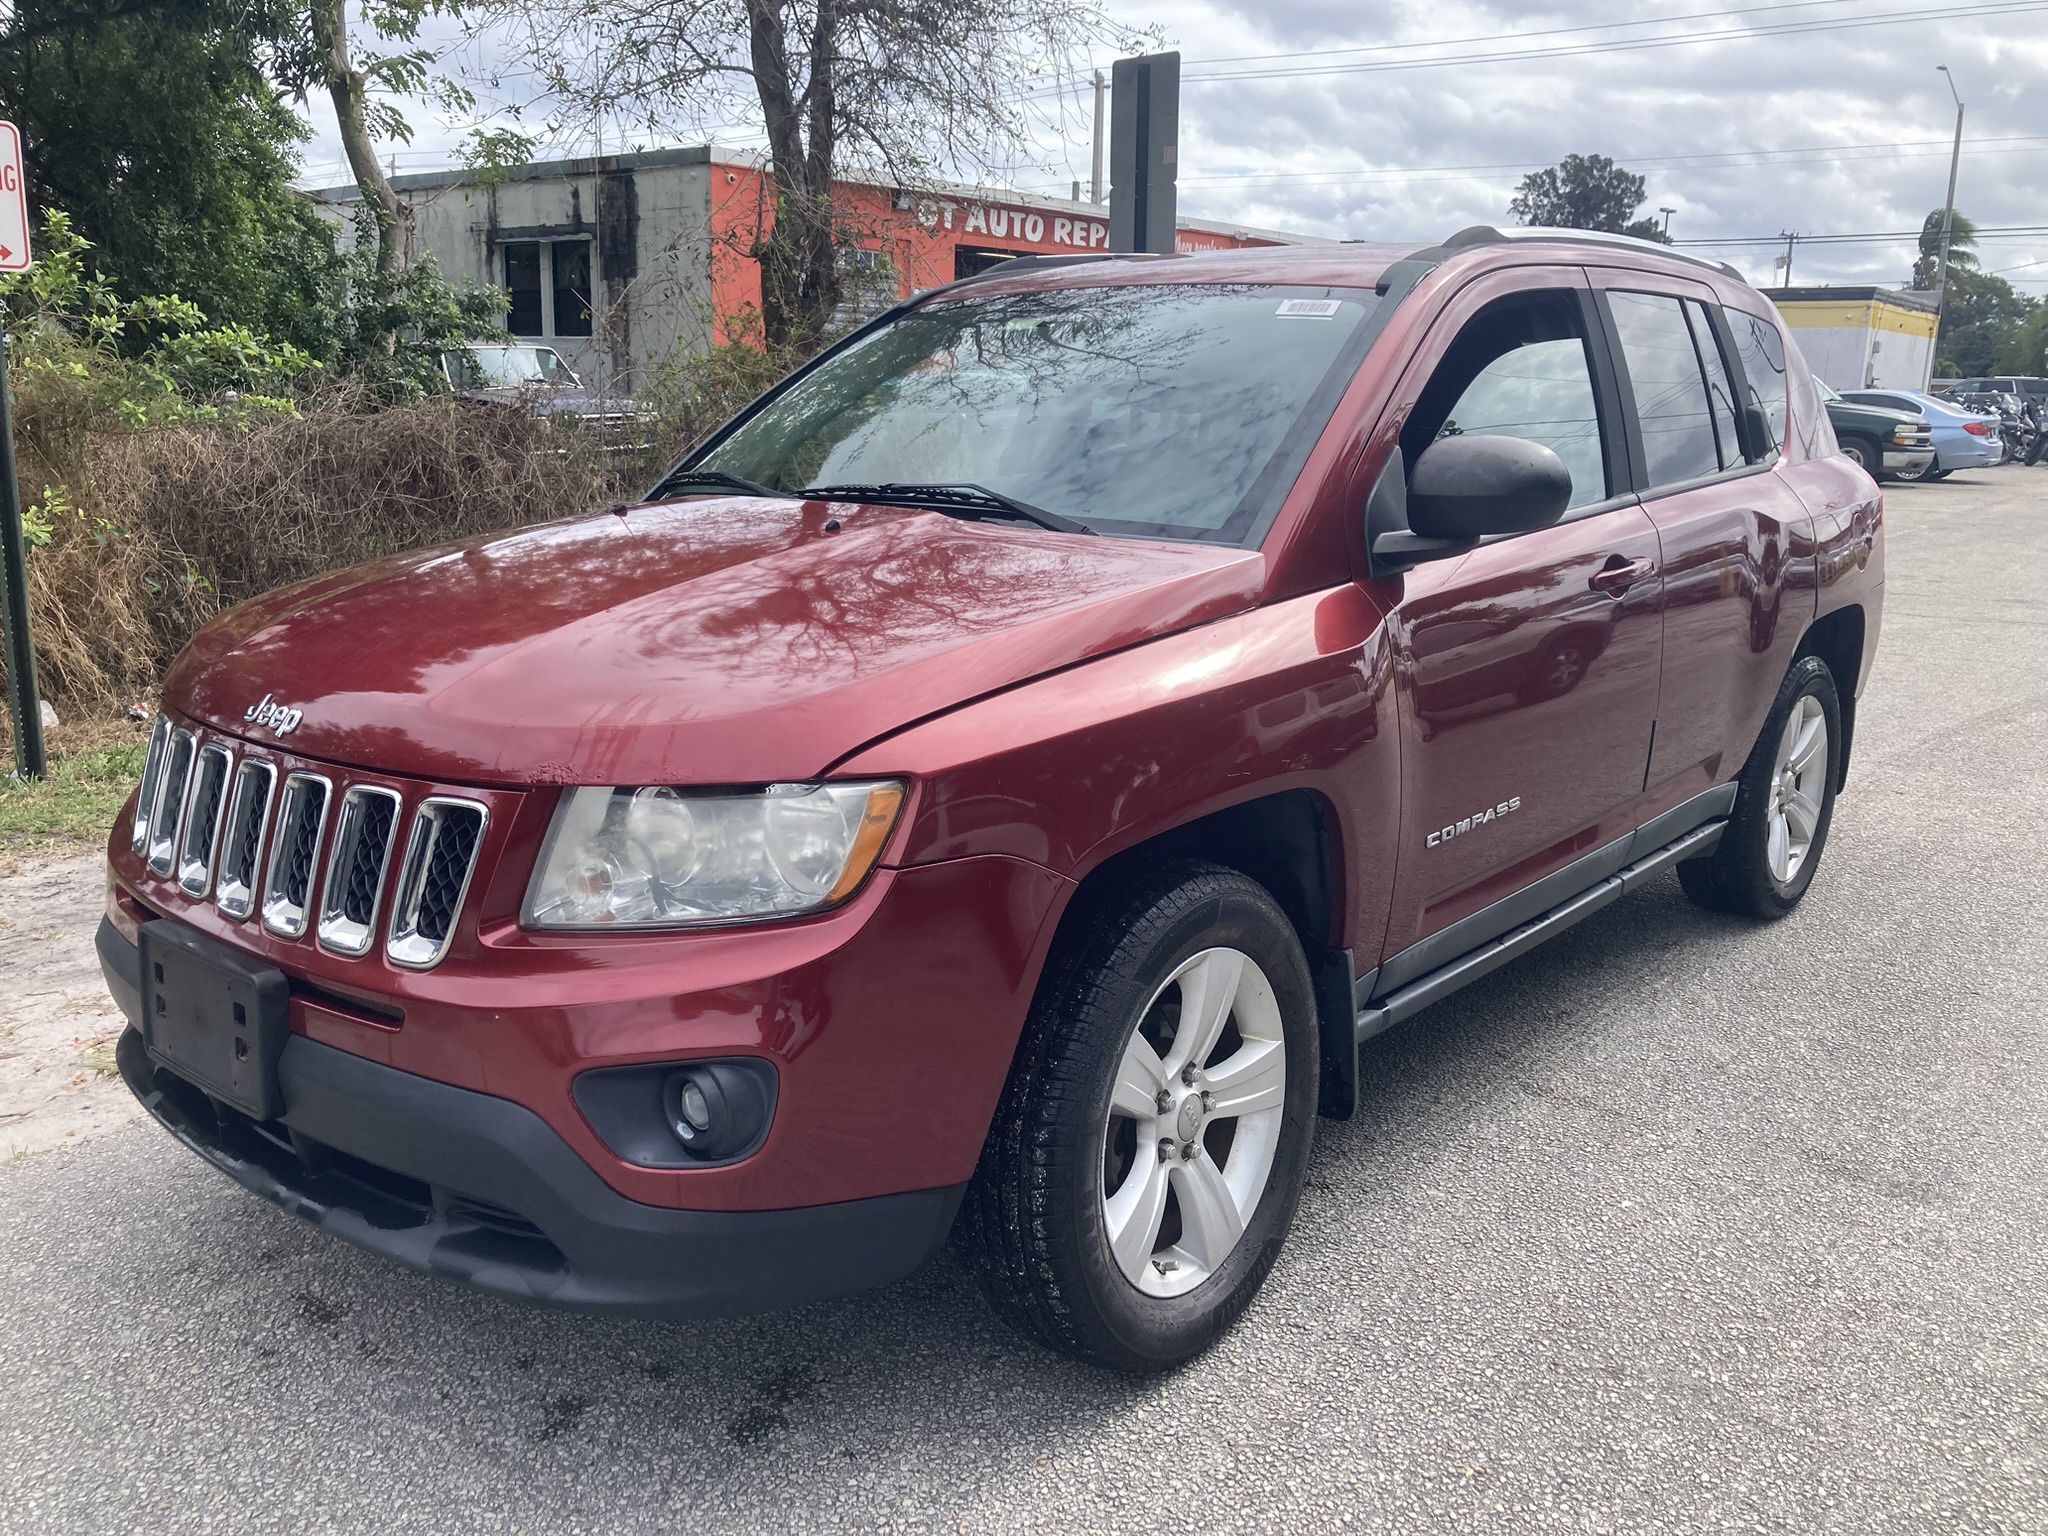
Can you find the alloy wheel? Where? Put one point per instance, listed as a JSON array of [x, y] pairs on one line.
[[1194, 1122], [1798, 787]]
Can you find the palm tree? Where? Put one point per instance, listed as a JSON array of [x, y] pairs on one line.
[[1962, 249]]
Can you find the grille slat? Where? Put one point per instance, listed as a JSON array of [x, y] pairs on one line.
[[241, 852], [295, 854], [440, 857], [164, 817], [152, 781], [199, 834], [363, 836]]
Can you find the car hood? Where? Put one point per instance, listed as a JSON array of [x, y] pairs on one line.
[[1875, 412], [713, 641], [555, 400]]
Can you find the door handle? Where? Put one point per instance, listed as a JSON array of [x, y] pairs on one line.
[[1619, 574]]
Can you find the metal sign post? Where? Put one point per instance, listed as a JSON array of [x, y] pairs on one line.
[[1144, 153], [24, 706]]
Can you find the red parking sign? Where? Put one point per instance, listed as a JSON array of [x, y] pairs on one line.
[[14, 256]]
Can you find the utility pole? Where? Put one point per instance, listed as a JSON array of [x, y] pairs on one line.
[[1095, 176], [1791, 239], [1948, 222]]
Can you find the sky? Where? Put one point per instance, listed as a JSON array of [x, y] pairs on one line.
[[1411, 119]]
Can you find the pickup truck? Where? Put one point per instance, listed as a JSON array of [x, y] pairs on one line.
[[1888, 444], [998, 786]]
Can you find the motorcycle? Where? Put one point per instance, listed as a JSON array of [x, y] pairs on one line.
[[2018, 426]]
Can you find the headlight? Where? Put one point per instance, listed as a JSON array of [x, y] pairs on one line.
[[672, 858]]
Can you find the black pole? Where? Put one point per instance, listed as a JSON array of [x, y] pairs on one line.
[[29, 761]]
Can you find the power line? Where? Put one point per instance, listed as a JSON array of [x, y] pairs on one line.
[[1632, 45]]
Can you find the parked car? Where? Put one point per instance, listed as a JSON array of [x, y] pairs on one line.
[[2006, 384], [1962, 438], [1882, 442], [520, 376], [997, 783]]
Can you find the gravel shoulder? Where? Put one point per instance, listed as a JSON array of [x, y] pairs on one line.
[[57, 1024]]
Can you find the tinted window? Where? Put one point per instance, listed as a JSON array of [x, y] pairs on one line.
[[1762, 353], [572, 287], [1183, 410], [1519, 368], [1670, 392], [522, 281], [1720, 394], [1890, 402]]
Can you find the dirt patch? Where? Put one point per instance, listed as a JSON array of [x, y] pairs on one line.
[[57, 1024]]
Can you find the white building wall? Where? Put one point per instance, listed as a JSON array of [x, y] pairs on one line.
[[644, 221]]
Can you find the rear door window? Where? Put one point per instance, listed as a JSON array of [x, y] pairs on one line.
[[1669, 387], [1720, 393], [1761, 351]]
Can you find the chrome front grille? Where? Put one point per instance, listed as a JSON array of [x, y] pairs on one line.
[[241, 849], [250, 834], [294, 855], [440, 857], [199, 832], [355, 872]]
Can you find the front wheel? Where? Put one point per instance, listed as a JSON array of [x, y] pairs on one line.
[[1864, 454], [1784, 806], [1145, 1161]]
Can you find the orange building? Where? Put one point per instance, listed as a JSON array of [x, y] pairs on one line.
[[622, 263]]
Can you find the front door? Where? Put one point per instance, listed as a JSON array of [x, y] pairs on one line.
[[1527, 670]]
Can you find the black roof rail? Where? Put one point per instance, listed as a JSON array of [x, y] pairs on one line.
[[1486, 234]]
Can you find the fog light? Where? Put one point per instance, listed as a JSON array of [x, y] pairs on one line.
[[680, 1114], [717, 1110]]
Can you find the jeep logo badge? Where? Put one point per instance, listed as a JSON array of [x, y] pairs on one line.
[[272, 716]]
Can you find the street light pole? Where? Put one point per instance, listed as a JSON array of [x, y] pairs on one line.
[[1095, 174], [1948, 223], [1667, 212]]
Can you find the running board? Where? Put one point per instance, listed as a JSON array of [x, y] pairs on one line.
[[1492, 955]]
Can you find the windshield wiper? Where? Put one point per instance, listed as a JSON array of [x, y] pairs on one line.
[[965, 496], [713, 479]]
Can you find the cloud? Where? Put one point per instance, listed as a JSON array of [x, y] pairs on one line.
[[1740, 138]]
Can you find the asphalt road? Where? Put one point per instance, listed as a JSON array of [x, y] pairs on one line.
[[1680, 1224]]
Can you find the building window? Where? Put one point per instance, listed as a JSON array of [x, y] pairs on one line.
[[572, 287], [522, 280], [549, 281]]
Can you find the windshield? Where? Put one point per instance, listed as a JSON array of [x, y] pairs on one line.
[[506, 367], [1178, 410]]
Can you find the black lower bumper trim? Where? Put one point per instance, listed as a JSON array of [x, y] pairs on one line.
[[482, 1190]]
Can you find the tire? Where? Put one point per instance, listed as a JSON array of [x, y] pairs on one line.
[[2037, 448], [1865, 455], [1064, 1163], [1744, 873], [1939, 473]]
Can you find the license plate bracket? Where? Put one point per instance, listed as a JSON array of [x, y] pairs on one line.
[[214, 1017]]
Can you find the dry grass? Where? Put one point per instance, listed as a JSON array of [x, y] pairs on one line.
[[167, 527]]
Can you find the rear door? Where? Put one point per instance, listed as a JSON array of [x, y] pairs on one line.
[[1736, 541], [1526, 670]]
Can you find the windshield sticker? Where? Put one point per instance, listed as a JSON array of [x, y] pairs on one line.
[[1309, 309]]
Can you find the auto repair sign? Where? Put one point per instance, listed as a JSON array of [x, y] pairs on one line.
[[14, 255]]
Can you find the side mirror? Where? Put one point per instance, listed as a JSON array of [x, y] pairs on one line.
[[1466, 488]]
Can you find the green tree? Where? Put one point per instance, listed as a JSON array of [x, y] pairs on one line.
[[1585, 192], [907, 90], [154, 128], [1962, 250]]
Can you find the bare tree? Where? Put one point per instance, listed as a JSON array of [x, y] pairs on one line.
[[905, 89]]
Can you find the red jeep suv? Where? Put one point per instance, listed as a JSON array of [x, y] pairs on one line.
[[993, 786]]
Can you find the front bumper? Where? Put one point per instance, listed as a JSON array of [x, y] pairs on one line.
[[1907, 460], [479, 1189]]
